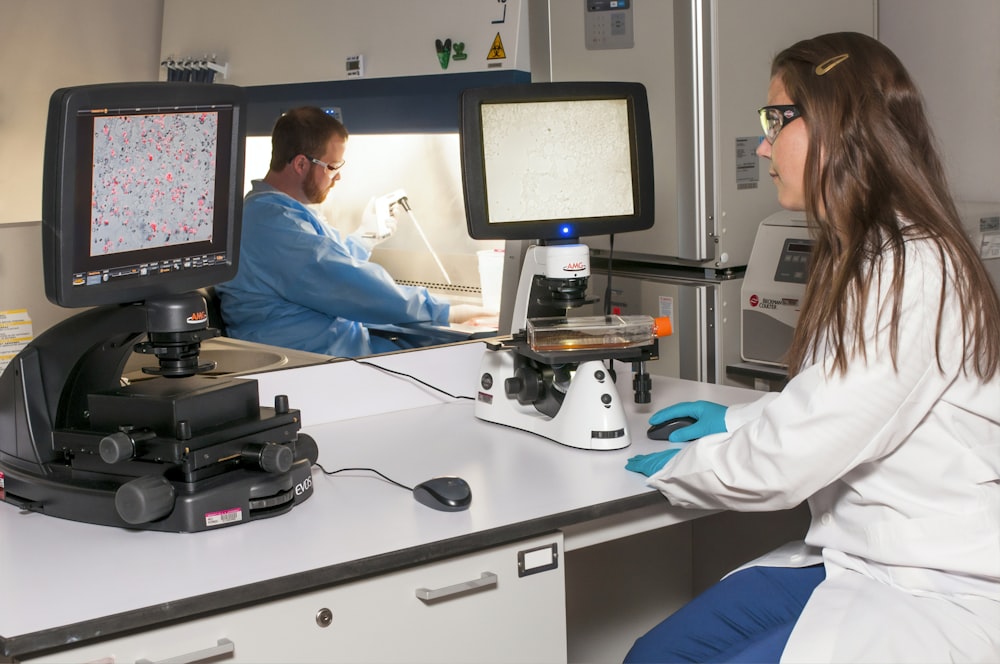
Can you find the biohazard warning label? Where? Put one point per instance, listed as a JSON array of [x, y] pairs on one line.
[[496, 50]]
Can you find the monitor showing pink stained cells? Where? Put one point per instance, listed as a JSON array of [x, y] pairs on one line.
[[153, 180]]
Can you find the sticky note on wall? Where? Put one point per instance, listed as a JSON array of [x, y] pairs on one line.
[[15, 334]]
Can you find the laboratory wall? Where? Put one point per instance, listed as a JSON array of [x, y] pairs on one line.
[[265, 42], [952, 50], [45, 46], [953, 53], [52, 44]]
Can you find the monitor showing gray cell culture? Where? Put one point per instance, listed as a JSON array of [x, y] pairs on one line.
[[556, 161]]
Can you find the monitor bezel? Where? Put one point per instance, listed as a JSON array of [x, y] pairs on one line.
[[66, 236], [473, 169]]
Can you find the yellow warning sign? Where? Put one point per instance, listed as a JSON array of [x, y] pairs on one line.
[[496, 50]]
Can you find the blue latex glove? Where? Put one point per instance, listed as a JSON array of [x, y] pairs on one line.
[[649, 464], [711, 419]]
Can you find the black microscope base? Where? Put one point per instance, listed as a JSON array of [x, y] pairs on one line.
[[228, 499]]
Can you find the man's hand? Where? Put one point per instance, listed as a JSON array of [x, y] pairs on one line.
[[463, 313]]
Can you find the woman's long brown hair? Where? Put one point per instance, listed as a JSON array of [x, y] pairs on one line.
[[871, 160]]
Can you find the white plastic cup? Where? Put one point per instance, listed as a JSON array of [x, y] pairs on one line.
[[491, 277]]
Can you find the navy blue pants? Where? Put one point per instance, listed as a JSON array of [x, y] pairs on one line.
[[747, 617]]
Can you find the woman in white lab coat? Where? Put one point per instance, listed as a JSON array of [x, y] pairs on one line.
[[890, 423]]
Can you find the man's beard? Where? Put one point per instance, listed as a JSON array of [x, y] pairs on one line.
[[314, 193]]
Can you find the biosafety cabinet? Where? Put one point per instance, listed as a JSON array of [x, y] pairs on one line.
[[705, 65]]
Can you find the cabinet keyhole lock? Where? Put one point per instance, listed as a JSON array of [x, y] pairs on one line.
[[324, 617]]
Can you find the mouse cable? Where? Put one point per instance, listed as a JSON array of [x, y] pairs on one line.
[[366, 470], [413, 378]]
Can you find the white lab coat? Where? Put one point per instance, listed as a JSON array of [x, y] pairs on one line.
[[901, 469]]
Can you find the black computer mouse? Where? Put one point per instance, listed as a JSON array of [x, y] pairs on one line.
[[663, 430], [448, 494]]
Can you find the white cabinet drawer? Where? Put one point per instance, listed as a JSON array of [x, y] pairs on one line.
[[479, 609]]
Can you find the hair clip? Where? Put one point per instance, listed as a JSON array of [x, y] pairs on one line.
[[824, 67]]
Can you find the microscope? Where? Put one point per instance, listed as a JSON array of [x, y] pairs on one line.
[[550, 163], [179, 451], [176, 448], [552, 377]]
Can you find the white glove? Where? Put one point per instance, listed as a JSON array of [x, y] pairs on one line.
[[378, 222]]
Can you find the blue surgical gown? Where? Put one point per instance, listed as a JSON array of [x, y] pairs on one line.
[[301, 285]]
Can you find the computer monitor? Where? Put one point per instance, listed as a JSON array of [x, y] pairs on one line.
[[142, 190], [556, 161]]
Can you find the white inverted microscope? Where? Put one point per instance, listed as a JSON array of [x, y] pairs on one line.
[[550, 163], [552, 376]]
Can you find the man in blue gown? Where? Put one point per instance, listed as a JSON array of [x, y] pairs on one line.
[[303, 285]]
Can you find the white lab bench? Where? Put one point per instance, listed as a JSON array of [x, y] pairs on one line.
[[337, 578]]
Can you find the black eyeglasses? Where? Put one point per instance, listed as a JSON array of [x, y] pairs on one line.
[[330, 168], [774, 118]]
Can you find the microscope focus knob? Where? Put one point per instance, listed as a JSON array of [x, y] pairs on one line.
[[270, 457], [144, 499], [527, 385], [306, 448], [123, 445], [512, 386], [116, 447], [281, 404], [276, 458]]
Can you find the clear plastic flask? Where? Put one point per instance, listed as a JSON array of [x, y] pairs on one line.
[[595, 332]]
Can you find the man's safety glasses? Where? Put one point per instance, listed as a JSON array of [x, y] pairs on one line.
[[774, 118], [330, 168]]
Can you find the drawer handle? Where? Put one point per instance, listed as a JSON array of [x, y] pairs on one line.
[[224, 647], [485, 580]]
